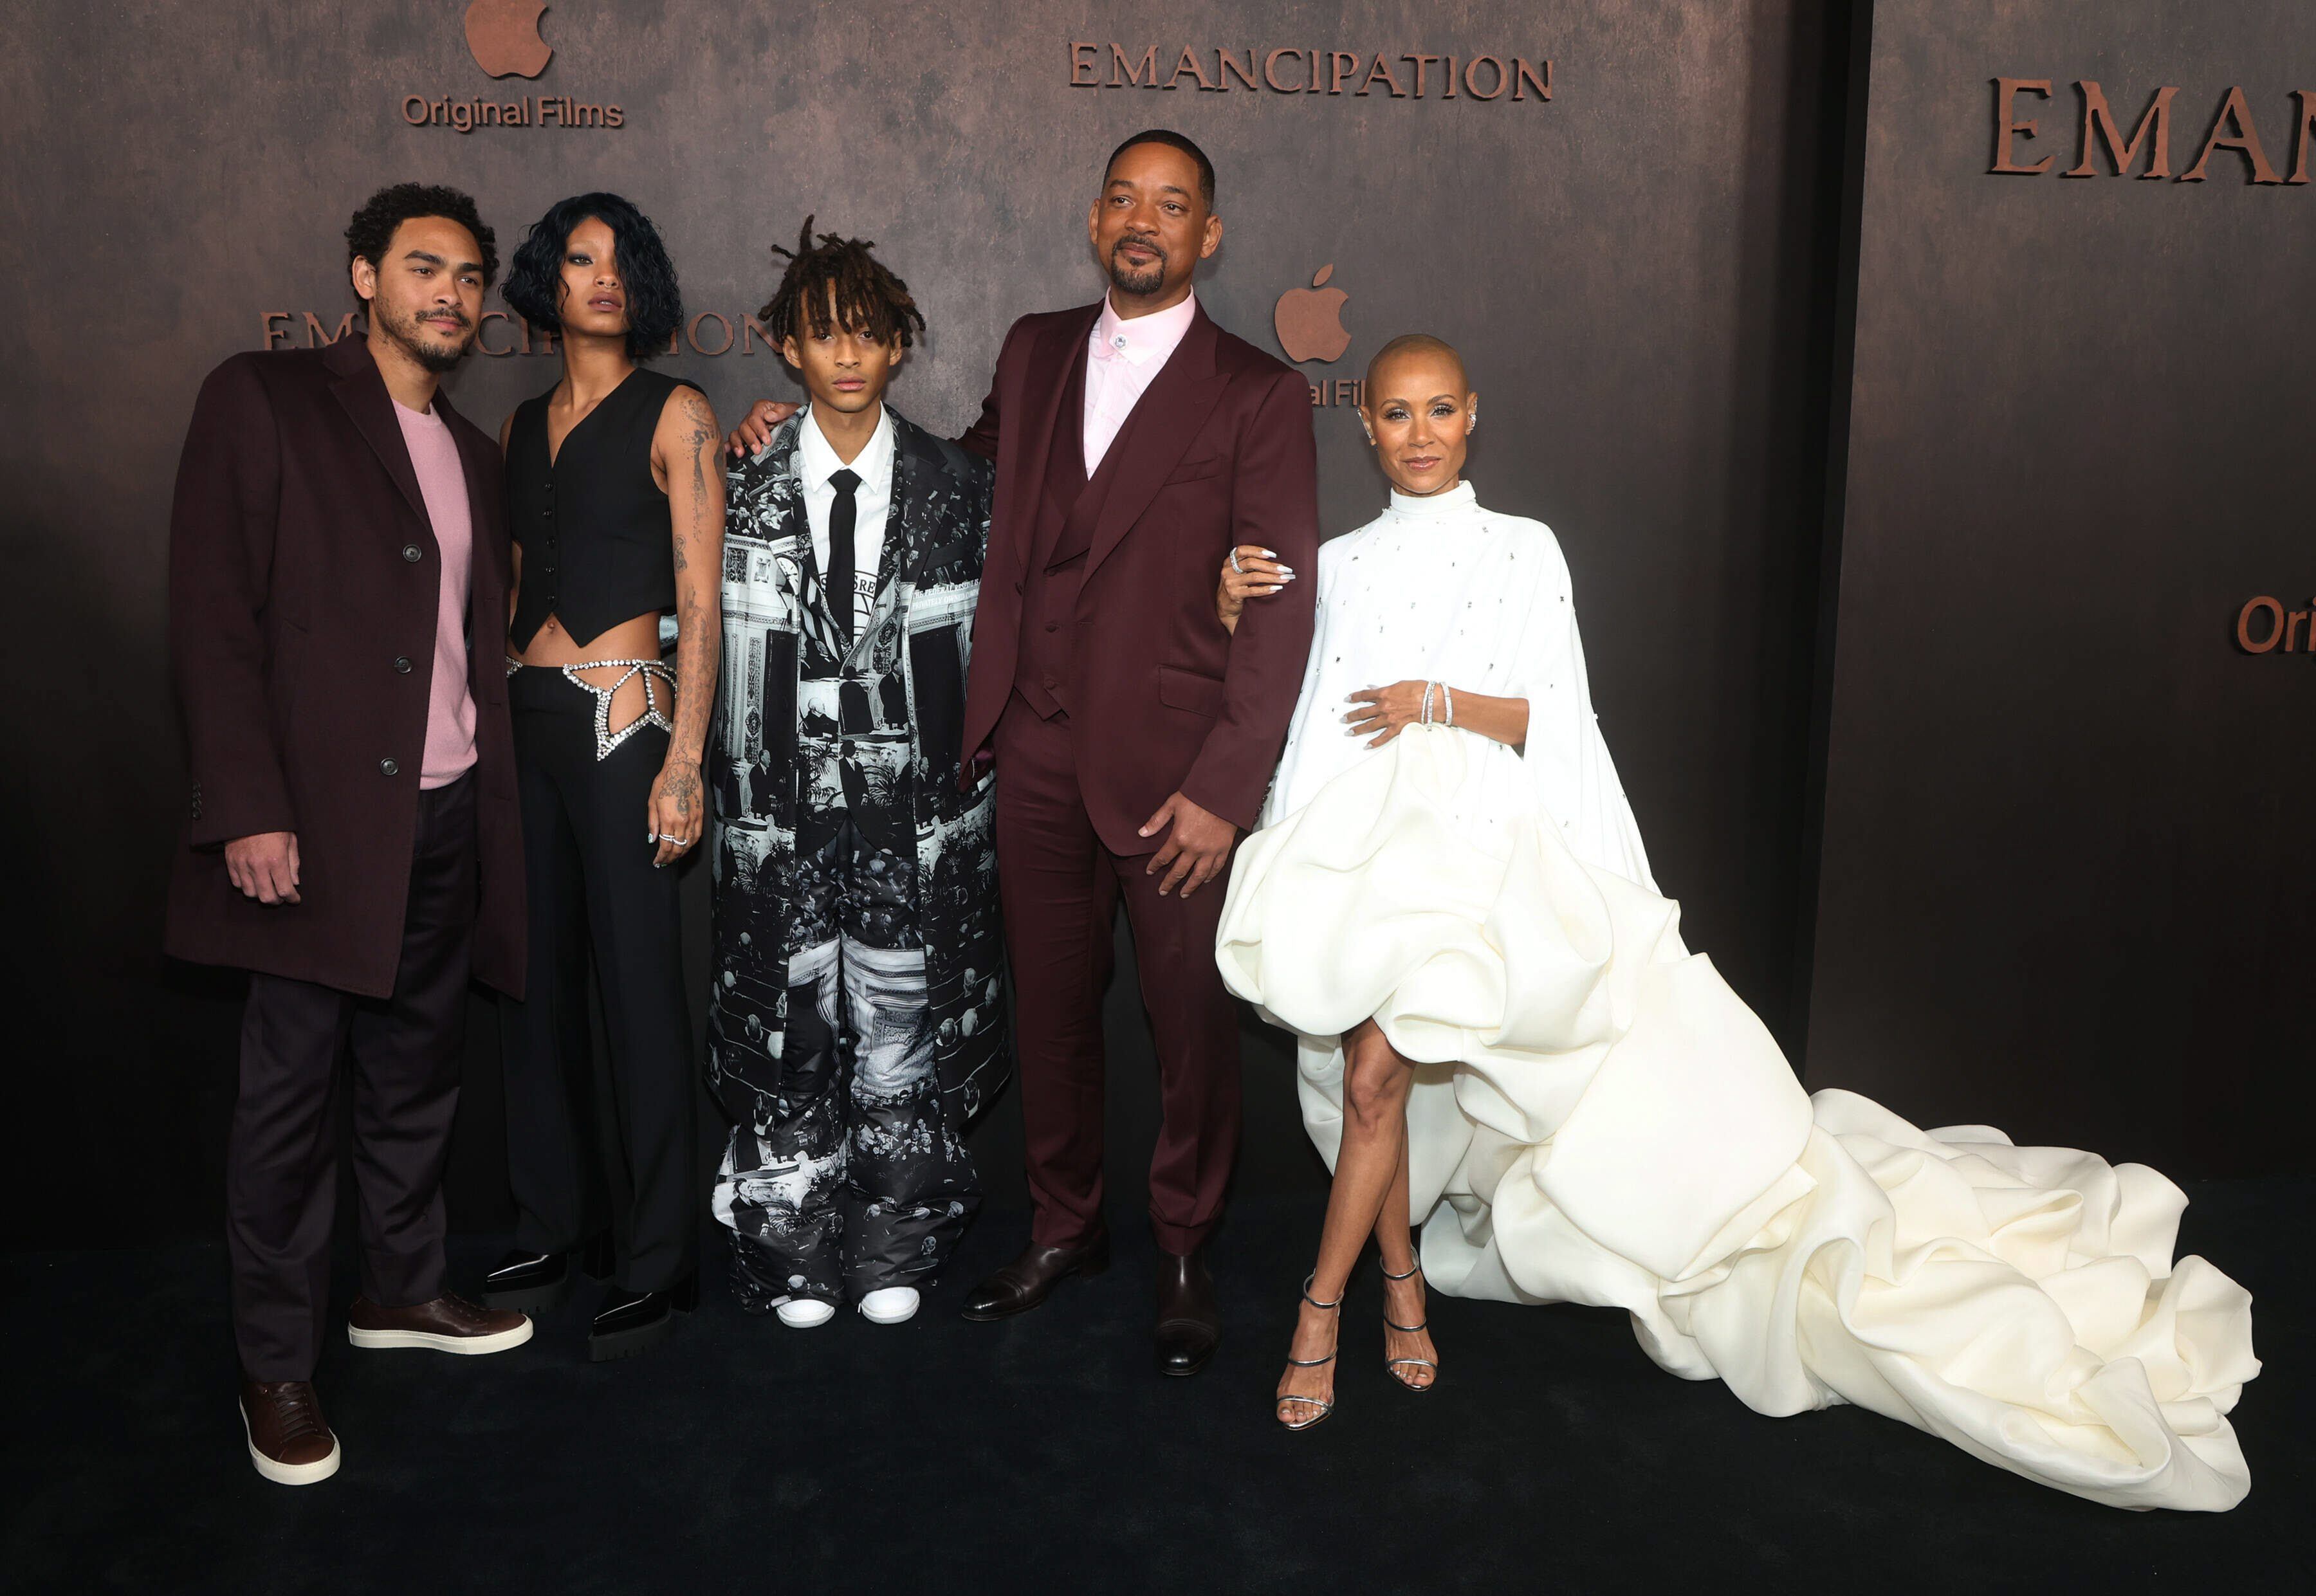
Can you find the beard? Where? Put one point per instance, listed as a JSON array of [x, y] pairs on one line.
[[1145, 280], [436, 358]]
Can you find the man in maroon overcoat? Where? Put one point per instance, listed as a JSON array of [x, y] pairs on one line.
[[1137, 445], [338, 569]]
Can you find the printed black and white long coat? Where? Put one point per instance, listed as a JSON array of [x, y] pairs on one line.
[[921, 638]]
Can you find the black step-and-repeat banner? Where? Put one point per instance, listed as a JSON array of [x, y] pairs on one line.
[[1628, 214], [2069, 873], [1606, 205]]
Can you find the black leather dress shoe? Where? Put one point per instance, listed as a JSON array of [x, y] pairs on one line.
[[531, 1282], [1027, 1281], [1189, 1320], [632, 1321], [528, 1282]]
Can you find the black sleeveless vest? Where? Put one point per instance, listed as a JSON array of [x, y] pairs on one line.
[[593, 524]]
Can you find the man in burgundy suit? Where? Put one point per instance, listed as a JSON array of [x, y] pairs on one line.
[[338, 569], [1137, 445]]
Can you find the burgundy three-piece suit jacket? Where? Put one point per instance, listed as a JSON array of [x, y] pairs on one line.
[[1217, 451]]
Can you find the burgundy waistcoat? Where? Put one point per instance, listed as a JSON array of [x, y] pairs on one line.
[[1067, 510]]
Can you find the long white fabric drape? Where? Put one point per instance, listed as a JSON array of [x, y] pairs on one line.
[[1599, 1118]]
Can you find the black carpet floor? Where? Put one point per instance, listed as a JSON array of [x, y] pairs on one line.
[[1043, 1454]]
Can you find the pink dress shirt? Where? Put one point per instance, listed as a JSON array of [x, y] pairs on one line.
[[1123, 358], [442, 484]]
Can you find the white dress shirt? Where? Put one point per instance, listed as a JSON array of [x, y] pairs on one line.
[[816, 462], [1122, 359]]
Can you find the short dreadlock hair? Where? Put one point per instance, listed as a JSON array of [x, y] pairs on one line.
[[869, 301]]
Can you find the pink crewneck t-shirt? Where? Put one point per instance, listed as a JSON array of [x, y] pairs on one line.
[[450, 704]]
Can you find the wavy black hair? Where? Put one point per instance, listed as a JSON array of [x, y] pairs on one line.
[[534, 284], [371, 230]]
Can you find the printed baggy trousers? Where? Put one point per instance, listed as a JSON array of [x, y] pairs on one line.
[[858, 1182]]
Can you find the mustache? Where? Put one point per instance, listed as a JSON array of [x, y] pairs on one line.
[[456, 316], [1151, 245]]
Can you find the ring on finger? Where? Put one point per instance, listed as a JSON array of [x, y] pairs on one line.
[[1235, 565]]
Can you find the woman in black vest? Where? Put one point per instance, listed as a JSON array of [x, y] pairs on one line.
[[617, 504]]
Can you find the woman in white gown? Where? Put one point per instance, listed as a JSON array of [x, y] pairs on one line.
[[1502, 1038]]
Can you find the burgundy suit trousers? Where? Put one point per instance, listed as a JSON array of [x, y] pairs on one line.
[[1060, 887]]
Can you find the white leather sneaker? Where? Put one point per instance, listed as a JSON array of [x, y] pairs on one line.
[[804, 1313], [889, 1305]]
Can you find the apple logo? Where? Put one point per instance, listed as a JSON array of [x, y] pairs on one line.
[[1310, 320], [505, 36]]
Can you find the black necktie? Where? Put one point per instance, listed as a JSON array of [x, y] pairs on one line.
[[842, 578]]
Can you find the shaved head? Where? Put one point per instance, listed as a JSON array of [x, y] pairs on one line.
[[1419, 343], [1419, 408]]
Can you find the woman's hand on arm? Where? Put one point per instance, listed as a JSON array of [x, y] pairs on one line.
[[1249, 573], [688, 444], [1382, 713]]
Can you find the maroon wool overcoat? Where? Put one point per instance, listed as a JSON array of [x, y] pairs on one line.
[[303, 585], [1217, 452]]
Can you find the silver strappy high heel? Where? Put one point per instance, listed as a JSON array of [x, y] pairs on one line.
[[1393, 1364], [1325, 1404]]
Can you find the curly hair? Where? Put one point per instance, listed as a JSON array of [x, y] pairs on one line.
[[371, 230], [534, 284], [868, 300]]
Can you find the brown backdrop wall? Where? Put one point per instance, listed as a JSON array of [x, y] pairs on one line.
[[1635, 267], [2068, 843]]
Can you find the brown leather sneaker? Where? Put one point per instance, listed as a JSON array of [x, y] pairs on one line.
[[288, 1440], [446, 1324]]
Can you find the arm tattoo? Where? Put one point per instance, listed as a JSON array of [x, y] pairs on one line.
[[699, 533], [700, 440]]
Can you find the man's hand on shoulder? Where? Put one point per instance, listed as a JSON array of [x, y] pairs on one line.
[[264, 867], [1195, 851], [756, 428]]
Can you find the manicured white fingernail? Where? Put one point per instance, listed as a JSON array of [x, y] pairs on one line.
[[1270, 553]]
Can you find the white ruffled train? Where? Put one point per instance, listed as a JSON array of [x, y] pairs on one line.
[[1600, 1119]]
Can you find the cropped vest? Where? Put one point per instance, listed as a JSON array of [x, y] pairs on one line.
[[597, 548]]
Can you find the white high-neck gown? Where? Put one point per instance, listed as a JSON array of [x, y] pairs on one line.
[[1599, 1118]]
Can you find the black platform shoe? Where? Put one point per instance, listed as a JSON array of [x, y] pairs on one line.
[[633, 1321], [533, 1283]]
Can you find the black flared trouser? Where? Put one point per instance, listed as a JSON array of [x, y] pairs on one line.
[[593, 891]]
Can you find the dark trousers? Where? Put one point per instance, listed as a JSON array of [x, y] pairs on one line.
[[1060, 889], [299, 1044], [592, 890]]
